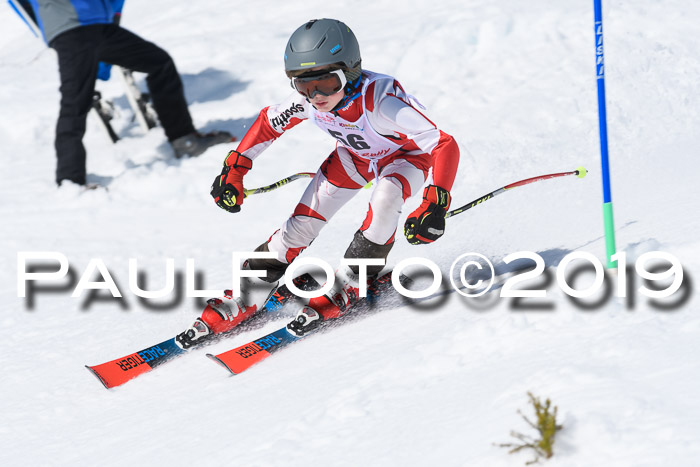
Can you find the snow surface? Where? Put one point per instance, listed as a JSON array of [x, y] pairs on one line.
[[514, 82]]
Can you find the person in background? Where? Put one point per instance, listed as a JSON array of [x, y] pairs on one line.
[[86, 32]]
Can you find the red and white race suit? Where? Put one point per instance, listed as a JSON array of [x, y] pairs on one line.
[[379, 134]]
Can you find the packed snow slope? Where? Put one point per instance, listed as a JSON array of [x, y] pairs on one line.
[[514, 82]]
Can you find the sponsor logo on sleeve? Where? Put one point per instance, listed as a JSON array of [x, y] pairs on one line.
[[282, 119]]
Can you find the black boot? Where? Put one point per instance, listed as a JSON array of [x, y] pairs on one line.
[[194, 144]]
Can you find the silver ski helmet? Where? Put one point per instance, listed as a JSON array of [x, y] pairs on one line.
[[322, 42]]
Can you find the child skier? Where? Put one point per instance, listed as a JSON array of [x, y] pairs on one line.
[[380, 136]]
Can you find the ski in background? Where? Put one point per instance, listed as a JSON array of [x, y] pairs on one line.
[[118, 371], [236, 361], [140, 102], [105, 113], [24, 9]]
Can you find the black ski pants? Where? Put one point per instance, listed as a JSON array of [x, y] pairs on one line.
[[79, 52]]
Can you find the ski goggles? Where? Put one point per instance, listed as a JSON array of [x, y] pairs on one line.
[[326, 83]]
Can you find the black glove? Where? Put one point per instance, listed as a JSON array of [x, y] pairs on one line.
[[227, 189], [427, 223]]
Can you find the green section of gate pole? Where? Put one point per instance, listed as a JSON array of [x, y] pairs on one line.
[[609, 234]]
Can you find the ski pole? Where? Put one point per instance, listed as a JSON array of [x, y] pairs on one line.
[[580, 172], [274, 186]]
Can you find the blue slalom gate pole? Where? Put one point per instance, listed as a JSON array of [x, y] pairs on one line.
[[602, 122]]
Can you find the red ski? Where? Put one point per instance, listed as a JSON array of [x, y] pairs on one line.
[[241, 358], [123, 369]]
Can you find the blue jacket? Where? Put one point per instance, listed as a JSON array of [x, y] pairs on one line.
[[57, 16]]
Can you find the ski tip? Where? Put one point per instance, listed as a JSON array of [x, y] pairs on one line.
[[220, 362], [581, 172], [97, 375]]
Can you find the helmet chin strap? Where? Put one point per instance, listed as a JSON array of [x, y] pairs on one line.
[[352, 92]]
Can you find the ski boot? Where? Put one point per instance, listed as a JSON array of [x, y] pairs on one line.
[[220, 315], [196, 143], [344, 294], [223, 314], [198, 333]]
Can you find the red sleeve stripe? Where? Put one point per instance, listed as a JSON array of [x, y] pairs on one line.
[[445, 161], [259, 132]]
